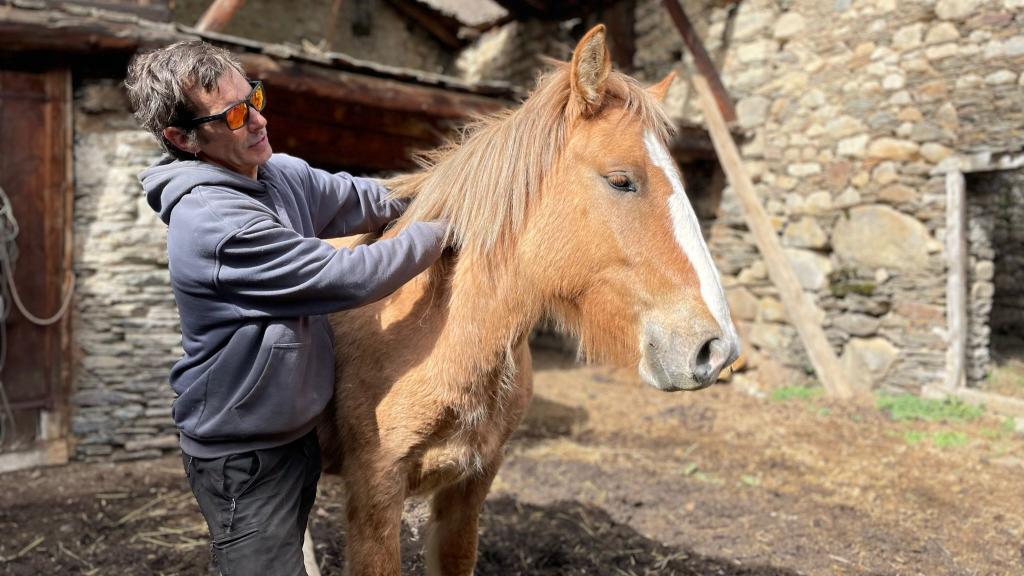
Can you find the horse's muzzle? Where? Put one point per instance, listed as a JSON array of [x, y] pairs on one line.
[[672, 361]]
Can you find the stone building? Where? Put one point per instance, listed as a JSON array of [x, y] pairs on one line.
[[886, 140], [94, 385], [861, 118], [859, 121]]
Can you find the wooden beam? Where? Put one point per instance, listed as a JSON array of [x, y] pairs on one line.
[[701, 60], [48, 33], [332, 24], [799, 309], [444, 28], [344, 147], [621, 23], [368, 90], [218, 15], [153, 10], [342, 135], [992, 401], [26, 30], [552, 9], [956, 281]]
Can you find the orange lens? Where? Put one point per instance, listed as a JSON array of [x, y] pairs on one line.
[[258, 100], [237, 116]]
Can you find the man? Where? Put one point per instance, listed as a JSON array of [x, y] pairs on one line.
[[253, 282]]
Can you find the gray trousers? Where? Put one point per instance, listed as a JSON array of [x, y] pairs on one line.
[[256, 505]]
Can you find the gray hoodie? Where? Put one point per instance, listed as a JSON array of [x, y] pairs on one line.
[[253, 283]]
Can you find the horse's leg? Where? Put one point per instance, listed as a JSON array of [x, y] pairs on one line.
[[451, 542], [450, 546], [374, 514], [309, 556]]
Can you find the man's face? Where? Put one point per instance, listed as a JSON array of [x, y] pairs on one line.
[[242, 150]]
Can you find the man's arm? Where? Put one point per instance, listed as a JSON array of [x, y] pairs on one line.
[[343, 204], [271, 268]]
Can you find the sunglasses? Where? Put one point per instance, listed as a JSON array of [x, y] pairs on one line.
[[238, 114]]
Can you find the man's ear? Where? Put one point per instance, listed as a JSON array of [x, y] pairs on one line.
[[177, 136]]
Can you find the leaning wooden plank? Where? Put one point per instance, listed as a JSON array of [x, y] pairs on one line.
[[218, 15], [799, 309], [701, 60], [779, 270]]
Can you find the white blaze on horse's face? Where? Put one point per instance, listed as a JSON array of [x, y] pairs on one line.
[[668, 359]]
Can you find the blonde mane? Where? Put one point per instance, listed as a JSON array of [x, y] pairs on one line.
[[482, 182]]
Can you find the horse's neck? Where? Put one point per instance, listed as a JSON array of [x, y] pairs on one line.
[[488, 312]]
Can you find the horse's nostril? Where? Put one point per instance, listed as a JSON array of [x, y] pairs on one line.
[[704, 354], [710, 360]]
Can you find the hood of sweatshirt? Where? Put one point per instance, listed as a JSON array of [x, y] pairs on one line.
[[167, 181]]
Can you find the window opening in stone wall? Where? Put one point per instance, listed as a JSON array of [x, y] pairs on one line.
[[704, 182], [995, 276]]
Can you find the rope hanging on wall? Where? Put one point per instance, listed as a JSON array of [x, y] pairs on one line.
[[9, 294]]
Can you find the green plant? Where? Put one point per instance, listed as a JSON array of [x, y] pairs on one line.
[[804, 393], [913, 437], [908, 407], [949, 439], [845, 281], [1009, 425]]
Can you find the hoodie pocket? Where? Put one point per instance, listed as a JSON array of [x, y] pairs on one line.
[[188, 408], [276, 403]]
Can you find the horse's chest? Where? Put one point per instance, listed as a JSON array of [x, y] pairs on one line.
[[474, 433], [469, 446]]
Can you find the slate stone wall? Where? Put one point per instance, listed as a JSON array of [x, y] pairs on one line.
[[125, 325], [852, 110]]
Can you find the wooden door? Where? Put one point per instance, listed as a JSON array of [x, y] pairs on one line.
[[35, 175]]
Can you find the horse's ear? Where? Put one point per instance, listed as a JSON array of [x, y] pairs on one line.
[[660, 90], [591, 64]]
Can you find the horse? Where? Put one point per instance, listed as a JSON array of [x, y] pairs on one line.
[[568, 207]]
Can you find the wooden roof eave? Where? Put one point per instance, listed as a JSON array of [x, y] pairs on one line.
[[73, 30]]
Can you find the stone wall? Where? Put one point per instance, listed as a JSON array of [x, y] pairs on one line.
[[366, 29], [514, 52], [125, 323], [850, 110], [995, 231]]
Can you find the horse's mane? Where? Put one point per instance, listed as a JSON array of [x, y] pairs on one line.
[[481, 182]]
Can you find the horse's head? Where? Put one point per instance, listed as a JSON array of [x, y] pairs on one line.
[[617, 238]]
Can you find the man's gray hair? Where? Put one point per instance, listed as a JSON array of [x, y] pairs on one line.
[[159, 82]]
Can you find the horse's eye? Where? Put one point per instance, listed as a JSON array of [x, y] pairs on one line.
[[621, 182]]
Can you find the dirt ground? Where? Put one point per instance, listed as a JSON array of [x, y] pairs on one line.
[[1006, 375], [608, 476]]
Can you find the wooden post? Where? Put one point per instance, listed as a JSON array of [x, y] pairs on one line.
[[779, 270], [332, 24], [218, 15], [701, 59], [956, 281]]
